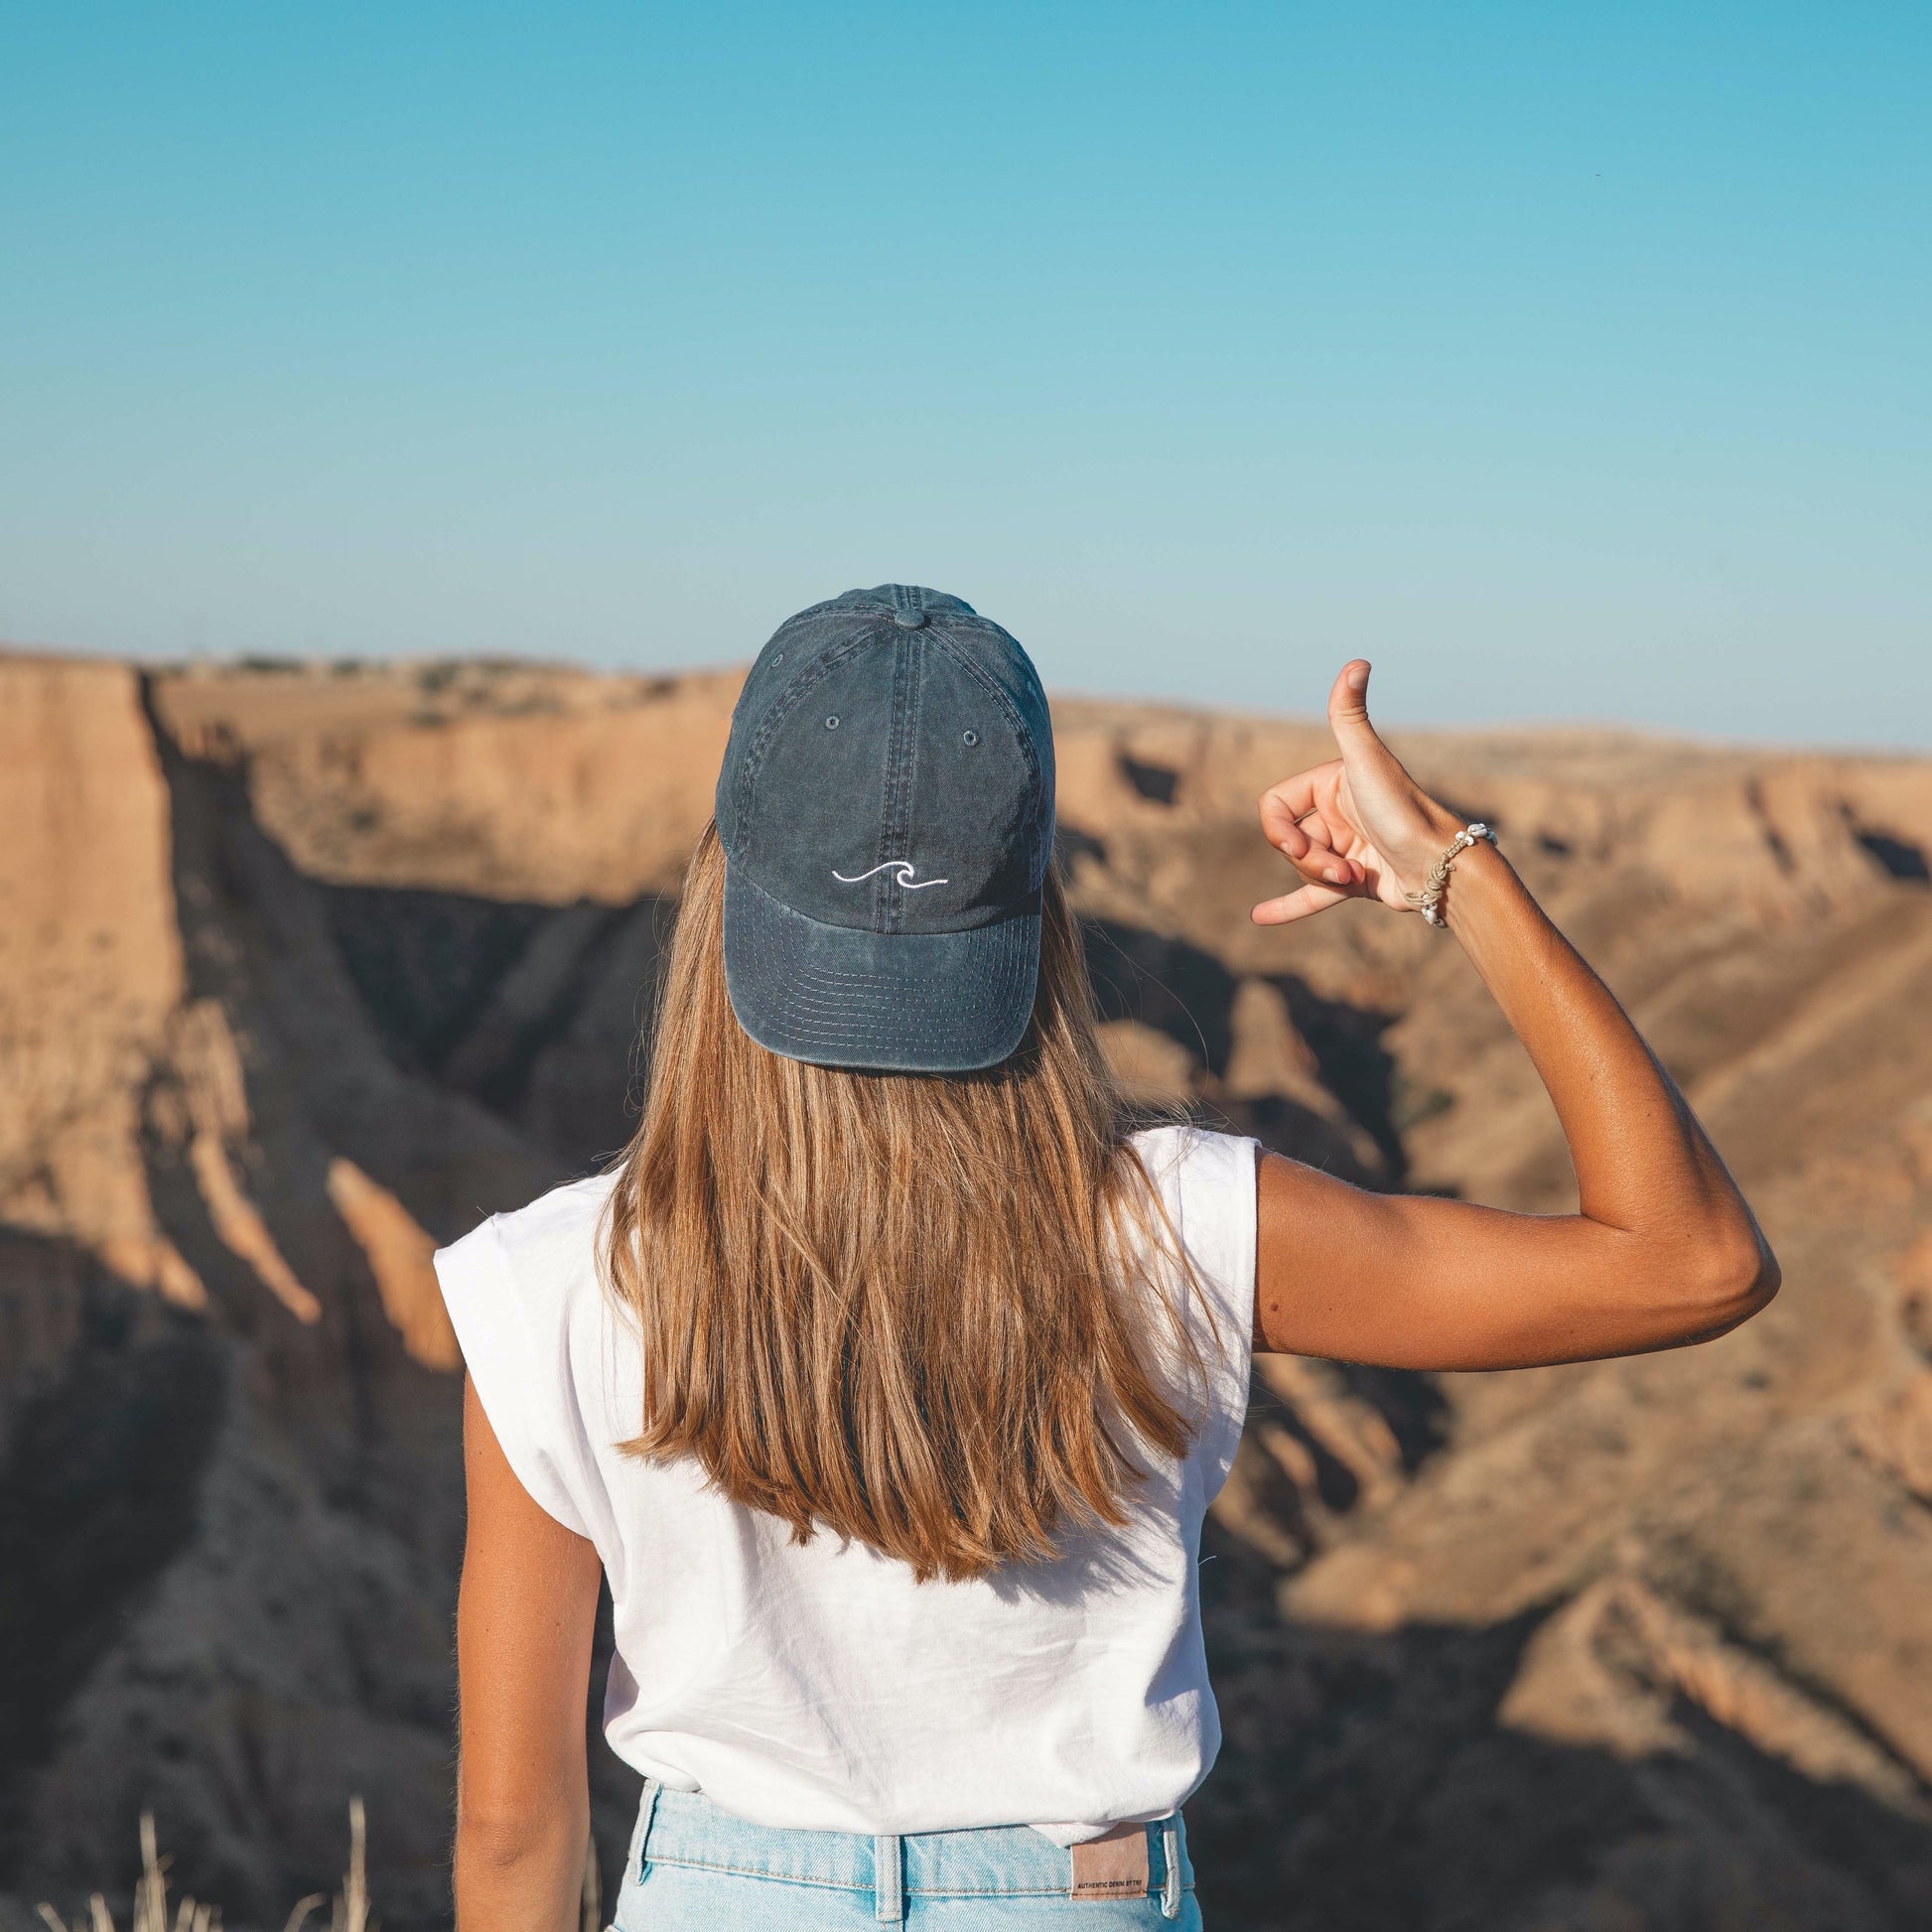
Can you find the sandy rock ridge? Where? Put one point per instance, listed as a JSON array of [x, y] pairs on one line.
[[303, 970]]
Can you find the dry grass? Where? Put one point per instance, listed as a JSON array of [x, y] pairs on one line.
[[348, 1908]]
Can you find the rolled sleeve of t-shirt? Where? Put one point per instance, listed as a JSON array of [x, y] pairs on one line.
[[1209, 1188], [520, 1371]]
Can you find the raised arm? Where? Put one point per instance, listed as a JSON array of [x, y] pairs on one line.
[[1664, 1249], [524, 1622]]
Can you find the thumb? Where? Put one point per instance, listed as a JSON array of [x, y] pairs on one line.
[[1348, 713]]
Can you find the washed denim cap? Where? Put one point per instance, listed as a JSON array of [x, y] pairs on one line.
[[886, 812]]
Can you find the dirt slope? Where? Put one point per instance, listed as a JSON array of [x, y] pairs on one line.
[[304, 970]]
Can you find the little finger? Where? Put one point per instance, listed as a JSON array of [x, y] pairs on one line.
[[1297, 904]]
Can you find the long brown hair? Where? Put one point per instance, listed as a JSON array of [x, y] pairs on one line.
[[924, 1312]]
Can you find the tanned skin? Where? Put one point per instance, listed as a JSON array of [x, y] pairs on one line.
[[524, 1626], [1663, 1251]]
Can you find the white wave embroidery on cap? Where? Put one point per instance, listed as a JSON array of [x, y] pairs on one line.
[[903, 868]]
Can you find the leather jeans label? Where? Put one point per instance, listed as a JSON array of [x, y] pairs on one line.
[[1114, 1867]]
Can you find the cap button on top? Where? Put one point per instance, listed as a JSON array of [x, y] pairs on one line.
[[910, 616]]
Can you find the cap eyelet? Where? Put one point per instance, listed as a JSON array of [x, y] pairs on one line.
[[832, 722], [969, 737]]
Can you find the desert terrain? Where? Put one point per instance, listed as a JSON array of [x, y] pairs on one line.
[[306, 969]]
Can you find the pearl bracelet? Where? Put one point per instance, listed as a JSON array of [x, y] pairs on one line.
[[1429, 901]]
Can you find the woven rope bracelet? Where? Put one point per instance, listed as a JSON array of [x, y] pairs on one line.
[[1429, 900]]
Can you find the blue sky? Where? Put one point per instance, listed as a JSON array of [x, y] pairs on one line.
[[1568, 362]]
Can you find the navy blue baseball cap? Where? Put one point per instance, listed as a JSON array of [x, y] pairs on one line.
[[886, 812]]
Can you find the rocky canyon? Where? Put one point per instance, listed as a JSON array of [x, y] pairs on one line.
[[305, 969]]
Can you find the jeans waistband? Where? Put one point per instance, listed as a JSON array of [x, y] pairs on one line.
[[685, 1828]]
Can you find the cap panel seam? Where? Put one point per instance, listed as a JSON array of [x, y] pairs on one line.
[[752, 761], [1021, 729], [1044, 808], [859, 604], [902, 770]]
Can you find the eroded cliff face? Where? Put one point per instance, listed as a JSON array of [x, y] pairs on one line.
[[302, 972]]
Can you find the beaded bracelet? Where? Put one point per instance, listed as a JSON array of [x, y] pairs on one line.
[[1429, 901]]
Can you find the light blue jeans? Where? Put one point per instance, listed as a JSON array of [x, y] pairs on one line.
[[695, 1869]]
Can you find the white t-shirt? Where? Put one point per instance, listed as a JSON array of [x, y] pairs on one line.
[[820, 1687]]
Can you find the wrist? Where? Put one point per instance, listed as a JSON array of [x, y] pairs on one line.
[[1478, 873], [1428, 898], [1435, 831]]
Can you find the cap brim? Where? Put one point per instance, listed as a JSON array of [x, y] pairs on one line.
[[901, 1002]]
